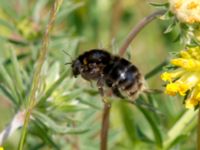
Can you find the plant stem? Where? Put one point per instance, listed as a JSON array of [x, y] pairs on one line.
[[179, 127], [36, 77], [198, 131], [137, 29], [17, 122], [105, 126], [128, 40], [156, 70]]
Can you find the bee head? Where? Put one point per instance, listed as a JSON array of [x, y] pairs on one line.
[[76, 67]]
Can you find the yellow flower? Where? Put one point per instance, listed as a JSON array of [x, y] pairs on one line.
[[177, 87], [183, 88], [1, 148], [189, 64], [172, 89], [166, 76], [187, 11], [185, 77], [185, 54], [198, 96], [170, 76], [190, 103]]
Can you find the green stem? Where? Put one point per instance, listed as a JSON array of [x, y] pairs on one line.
[[36, 77], [156, 70], [179, 127], [198, 132]]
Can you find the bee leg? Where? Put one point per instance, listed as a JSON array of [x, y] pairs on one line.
[[91, 83], [100, 84], [116, 92]]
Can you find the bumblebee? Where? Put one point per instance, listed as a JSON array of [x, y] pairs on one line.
[[115, 72]]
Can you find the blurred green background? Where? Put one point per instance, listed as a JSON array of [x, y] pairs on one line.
[[82, 25]]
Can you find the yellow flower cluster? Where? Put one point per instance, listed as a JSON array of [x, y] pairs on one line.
[[186, 77], [1, 148], [187, 11]]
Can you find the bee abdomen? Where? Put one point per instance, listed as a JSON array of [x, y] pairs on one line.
[[125, 76], [132, 84], [136, 88]]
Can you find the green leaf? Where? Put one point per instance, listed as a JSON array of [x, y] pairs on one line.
[[154, 127], [166, 5], [17, 42], [8, 82], [52, 88], [8, 10], [55, 127], [71, 107], [16, 70], [40, 130], [168, 16], [156, 70], [142, 136], [170, 27], [70, 7], [140, 102], [19, 57], [53, 73], [90, 104], [38, 146], [179, 127], [38, 8], [177, 141], [128, 121], [8, 94], [177, 38], [68, 96], [7, 26]]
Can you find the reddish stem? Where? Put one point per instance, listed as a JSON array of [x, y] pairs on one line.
[[137, 29], [130, 37], [105, 126]]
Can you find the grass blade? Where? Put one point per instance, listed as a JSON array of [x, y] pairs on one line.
[[154, 126]]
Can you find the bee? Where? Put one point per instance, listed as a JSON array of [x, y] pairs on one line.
[[115, 72]]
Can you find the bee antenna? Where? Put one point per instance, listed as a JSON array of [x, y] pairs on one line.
[[68, 55]]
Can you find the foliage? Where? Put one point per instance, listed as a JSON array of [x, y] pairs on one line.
[[67, 112]]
